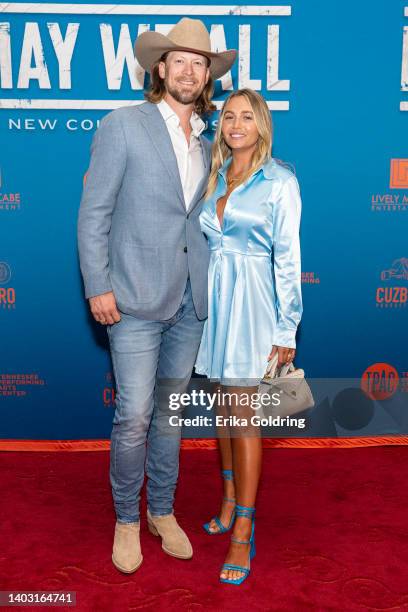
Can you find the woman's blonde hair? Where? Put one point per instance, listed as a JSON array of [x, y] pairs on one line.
[[157, 89], [221, 151]]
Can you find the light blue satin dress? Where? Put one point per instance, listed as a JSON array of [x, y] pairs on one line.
[[254, 276]]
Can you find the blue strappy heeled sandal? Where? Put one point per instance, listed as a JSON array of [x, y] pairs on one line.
[[248, 513], [227, 475]]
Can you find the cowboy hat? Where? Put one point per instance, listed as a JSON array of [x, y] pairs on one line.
[[187, 35]]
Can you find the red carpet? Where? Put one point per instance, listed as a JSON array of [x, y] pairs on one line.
[[331, 532]]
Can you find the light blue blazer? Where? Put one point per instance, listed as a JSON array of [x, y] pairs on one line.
[[135, 236]]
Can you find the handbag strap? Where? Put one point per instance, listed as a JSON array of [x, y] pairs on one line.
[[272, 368]]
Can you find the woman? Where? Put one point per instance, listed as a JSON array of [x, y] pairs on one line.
[[251, 218]]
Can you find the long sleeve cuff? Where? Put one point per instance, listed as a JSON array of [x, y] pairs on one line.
[[284, 336], [96, 285]]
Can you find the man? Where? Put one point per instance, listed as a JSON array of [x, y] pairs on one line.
[[144, 262]]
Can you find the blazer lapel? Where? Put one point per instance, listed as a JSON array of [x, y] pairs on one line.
[[157, 130], [199, 192]]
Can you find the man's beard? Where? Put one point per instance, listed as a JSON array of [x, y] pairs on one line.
[[184, 96]]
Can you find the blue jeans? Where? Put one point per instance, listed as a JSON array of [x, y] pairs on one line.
[[150, 360]]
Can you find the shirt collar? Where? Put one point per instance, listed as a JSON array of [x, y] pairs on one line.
[[223, 169], [197, 124], [168, 114], [267, 168]]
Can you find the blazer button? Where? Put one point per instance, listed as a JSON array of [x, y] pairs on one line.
[[188, 216], [185, 249]]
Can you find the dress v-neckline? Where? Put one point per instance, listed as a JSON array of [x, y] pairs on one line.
[[221, 221]]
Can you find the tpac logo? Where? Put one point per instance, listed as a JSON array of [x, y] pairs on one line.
[[7, 294], [395, 296], [399, 174], [19, 385], [380, 381]]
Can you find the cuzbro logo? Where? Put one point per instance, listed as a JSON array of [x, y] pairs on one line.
[[399, 269], [109, 391], [399, 174], [7, 294], [380, 381], [393, 296]]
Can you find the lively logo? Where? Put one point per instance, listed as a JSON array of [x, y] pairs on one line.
[[394, 294], [7, 294], [8, 201], [380, 381], [399, 174], [391, 202]]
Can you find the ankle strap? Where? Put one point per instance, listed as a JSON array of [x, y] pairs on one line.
[[227, 474], [245, 511], [240, 541], [229, 499]]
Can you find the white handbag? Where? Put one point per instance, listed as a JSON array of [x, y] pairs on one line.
[[287, 388]]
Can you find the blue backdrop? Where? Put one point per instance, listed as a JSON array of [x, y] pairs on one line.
[[336, 77]]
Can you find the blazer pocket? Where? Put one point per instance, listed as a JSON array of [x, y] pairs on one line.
[[134, 269]]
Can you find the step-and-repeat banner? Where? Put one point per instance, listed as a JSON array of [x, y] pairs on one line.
[[335, 76]]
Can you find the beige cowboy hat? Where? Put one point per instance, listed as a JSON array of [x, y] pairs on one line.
[[187, 35]]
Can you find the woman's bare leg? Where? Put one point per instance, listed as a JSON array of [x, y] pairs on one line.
[[224, 444], [246, 444]]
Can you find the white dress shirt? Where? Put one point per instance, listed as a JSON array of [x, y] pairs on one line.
[[189, 156]]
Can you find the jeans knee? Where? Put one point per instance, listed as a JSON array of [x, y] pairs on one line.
[[130, 428]]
